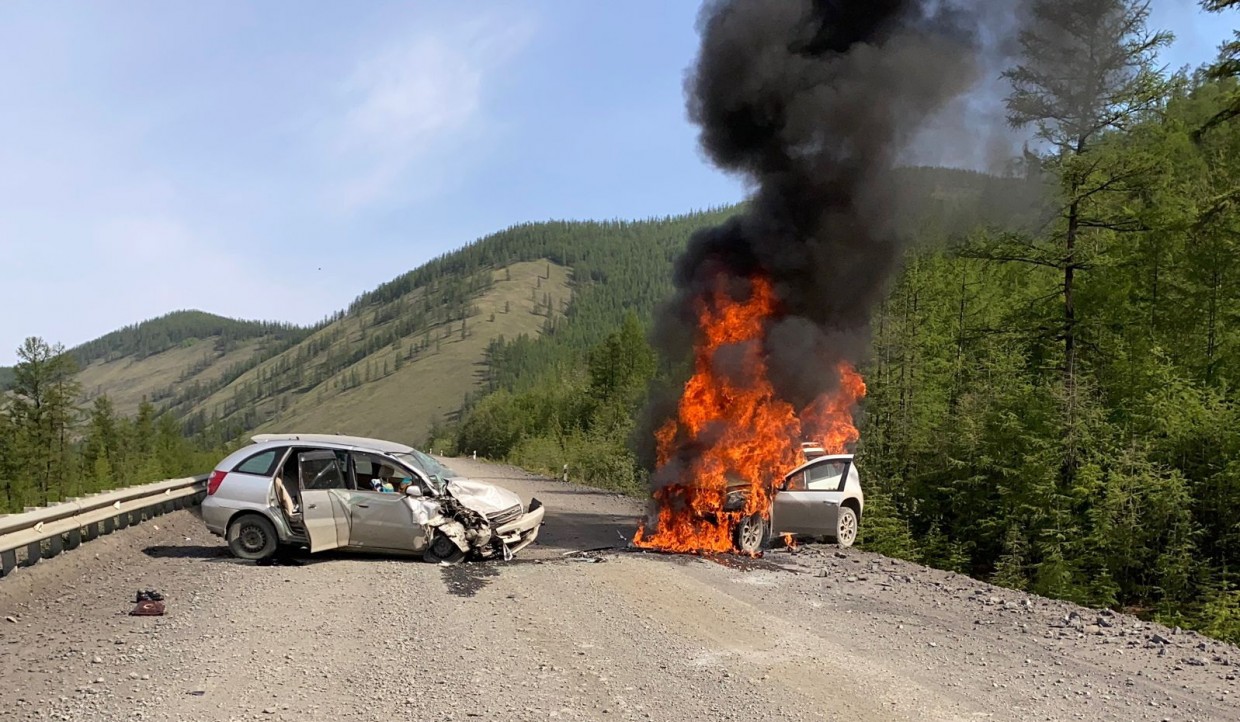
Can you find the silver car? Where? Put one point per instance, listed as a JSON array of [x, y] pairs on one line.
[[820, 498], [327, 491]]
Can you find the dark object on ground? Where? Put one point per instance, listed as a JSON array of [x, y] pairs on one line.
[[148, 608], [149, 595]]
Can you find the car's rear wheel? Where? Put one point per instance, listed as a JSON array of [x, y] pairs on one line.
[[846, 527], [252, 537], [443, 551], [750, 534]]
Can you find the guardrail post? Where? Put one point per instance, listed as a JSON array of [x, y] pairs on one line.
[[74, 539], [8, 562], [122, 520], [34, 552], [92, 531], [55, 545]]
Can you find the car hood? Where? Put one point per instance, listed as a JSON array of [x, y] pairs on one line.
[[482, 497]]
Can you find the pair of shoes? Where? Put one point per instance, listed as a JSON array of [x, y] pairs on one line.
[[149, 595]]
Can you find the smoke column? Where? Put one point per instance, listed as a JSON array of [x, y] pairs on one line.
[[812, 102]]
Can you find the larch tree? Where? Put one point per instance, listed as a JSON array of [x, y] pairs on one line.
[[1227, 66], [43, 410], [1086, 70]]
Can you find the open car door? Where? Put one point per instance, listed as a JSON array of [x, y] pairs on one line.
[[808, 502], [324, 499]]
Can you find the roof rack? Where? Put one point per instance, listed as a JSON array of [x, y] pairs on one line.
[[390, 447]]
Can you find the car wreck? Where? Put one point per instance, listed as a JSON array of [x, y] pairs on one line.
[[325, 491]]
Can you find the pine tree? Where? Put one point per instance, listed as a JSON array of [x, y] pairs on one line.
[[43, 410]]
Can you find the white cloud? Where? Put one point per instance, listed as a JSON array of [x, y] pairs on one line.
[[408, 105]]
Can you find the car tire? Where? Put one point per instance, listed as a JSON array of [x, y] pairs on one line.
[[846, 527], [443, 550], [749, 536], [252, 537]]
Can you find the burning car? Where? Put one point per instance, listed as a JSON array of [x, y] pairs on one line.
[[820, 498], [327, 491]]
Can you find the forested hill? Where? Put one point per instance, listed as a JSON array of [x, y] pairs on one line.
[[166, 332]]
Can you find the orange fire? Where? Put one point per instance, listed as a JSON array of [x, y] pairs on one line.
[[733, 432]]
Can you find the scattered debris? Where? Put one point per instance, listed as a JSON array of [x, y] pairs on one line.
[[11, 620]]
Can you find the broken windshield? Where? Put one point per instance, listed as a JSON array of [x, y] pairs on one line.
[[437, 473]]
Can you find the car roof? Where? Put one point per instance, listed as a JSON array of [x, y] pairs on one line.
[[352, 442], [818, 460]]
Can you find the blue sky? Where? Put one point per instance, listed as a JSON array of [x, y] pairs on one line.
[[273, 160]]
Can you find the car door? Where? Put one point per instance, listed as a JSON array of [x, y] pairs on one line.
[[378, 520], [324, 498], [809, 502]]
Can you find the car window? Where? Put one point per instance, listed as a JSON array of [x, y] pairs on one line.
[[418, 461], [827, 476], [375, 473], [262, 463], [796, 482], [322, 470]]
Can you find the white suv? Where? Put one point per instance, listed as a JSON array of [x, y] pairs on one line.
[[821, 497], [327, 491]]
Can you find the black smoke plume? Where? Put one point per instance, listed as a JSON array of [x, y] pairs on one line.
[[812, 102]]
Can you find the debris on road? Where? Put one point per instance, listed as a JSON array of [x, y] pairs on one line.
[[150, 603]]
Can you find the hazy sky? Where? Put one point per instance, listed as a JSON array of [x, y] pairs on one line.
[[274, 160]]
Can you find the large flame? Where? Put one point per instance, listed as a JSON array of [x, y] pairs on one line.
[[732, 430]]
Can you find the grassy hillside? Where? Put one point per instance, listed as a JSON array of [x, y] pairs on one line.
[[129, 379], [179, 329], [404, 389]]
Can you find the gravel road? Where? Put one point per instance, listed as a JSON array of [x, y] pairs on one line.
[[818, 634]]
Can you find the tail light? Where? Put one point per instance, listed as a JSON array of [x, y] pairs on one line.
[[214, 481]]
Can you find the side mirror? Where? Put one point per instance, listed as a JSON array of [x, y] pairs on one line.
[[413, 490]]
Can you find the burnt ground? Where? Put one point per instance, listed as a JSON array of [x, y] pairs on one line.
[[566, 633]]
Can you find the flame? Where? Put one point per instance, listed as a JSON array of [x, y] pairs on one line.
[[732, 431], [790, 542]]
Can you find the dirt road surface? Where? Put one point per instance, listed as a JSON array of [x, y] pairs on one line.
[[820, 634]]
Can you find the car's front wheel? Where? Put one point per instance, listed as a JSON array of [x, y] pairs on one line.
[[443, 551], [750, 534], [252, 537], [846, 527]]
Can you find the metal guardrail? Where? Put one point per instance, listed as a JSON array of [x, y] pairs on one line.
[[45, 532]]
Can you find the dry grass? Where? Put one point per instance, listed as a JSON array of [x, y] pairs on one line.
[[402, 405], [127, 381]]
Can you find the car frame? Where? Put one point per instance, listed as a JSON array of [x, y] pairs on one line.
[[258, 506], [820, 498]]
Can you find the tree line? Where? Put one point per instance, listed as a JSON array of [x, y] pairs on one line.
[[52, 448]]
